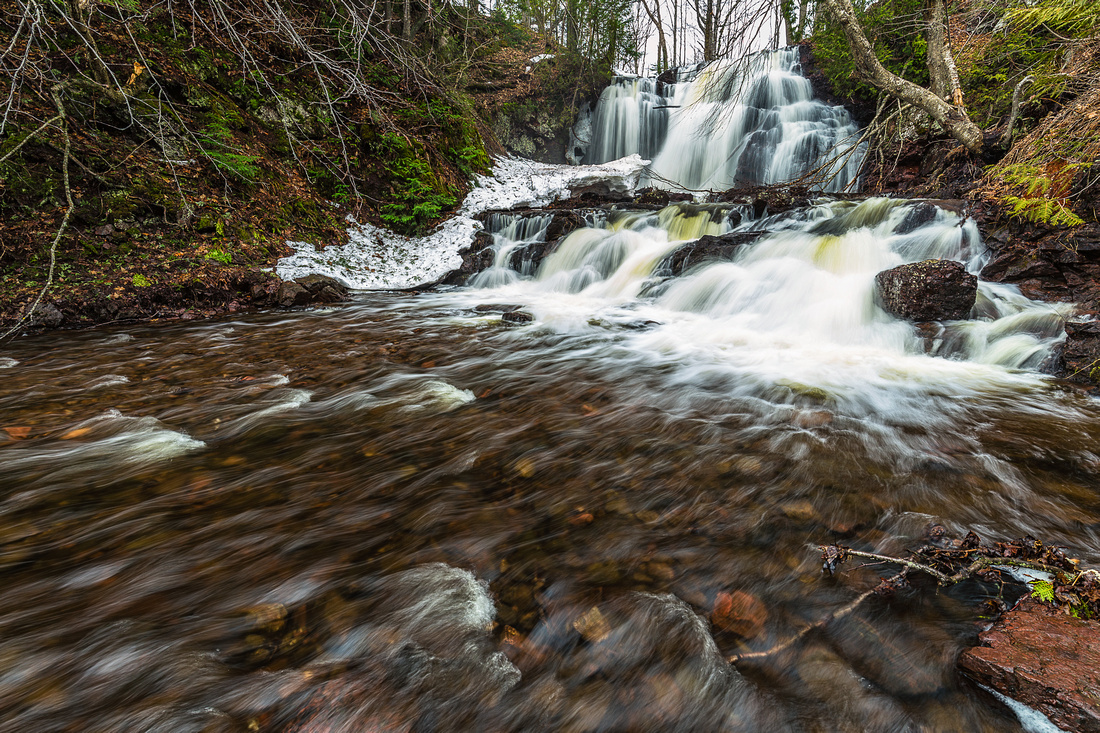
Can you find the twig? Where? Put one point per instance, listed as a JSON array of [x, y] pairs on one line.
[[837, 614], [27, 139], [944, 579]]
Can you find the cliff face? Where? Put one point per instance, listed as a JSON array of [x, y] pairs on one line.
[[530, 97]]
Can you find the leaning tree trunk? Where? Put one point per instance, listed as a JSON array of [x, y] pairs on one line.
[[941, 65], [953, 119]]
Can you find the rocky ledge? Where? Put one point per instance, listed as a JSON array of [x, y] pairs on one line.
[[1044, 658]]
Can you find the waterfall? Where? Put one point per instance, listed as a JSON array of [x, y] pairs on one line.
[[781, 302], [731, 123]]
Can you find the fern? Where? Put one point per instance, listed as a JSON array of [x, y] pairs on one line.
[[1042, 590], [1067, 17], [1044, 191], [1043, 211]]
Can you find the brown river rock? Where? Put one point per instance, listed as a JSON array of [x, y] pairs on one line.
[[1040, 656]]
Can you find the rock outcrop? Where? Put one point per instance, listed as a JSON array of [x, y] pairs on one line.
[[933, 290], [1081, 352], [1038, 655], [309, 290]]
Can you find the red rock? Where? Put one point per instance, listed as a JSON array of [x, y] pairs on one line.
[[739, 613], [1038, 655]]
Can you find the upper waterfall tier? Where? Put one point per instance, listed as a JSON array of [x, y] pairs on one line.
[[731, 123]]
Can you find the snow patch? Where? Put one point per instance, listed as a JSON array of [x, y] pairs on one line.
[[531, 62], [378, 259]]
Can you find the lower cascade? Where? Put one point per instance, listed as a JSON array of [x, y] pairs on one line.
[[782, 304], [731, 123]]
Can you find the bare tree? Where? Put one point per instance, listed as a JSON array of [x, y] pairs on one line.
[[943, 102]]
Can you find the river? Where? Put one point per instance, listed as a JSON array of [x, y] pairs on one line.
[[402, 513]]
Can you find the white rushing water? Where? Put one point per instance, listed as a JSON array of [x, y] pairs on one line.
[[749, 121], [791, 315]]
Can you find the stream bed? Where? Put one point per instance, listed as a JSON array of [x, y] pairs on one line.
[[399, 514]]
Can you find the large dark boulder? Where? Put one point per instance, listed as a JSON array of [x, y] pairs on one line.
[[1042, 657], [933, 290], [709, 248]]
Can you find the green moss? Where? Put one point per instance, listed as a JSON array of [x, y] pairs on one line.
[[417, 196]]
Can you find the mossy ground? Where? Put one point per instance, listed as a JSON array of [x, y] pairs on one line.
[[200, 199]]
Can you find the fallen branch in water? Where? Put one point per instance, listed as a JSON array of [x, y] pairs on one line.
[[1076, 591], [837, 614]]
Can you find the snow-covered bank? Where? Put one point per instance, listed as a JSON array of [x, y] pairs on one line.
[[378, 259]]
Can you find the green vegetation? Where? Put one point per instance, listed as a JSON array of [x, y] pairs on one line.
[[890, 27], [219, 255]]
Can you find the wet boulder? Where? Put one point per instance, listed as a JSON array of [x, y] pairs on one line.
[[1044, 658], [564, 222], [933, 290], [659, 197], [517, 317], [291, 294], [477, 256], [323, 289], [44, 315], [707, 249]]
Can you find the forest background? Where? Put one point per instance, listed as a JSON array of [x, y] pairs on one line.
[[156, 155]]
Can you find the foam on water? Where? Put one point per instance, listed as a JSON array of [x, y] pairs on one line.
[[1031, 719], [114, 442]]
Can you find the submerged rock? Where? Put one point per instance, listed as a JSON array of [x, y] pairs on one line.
[[739, 613], [932, 290], [517, 317], [1038, 655]]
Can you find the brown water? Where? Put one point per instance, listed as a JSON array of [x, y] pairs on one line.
[[399, 514]]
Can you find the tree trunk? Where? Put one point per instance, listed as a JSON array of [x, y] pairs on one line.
[[935, 15], [80, 12], [952, 118], [407, 27], [803, 8], [654, 14]]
